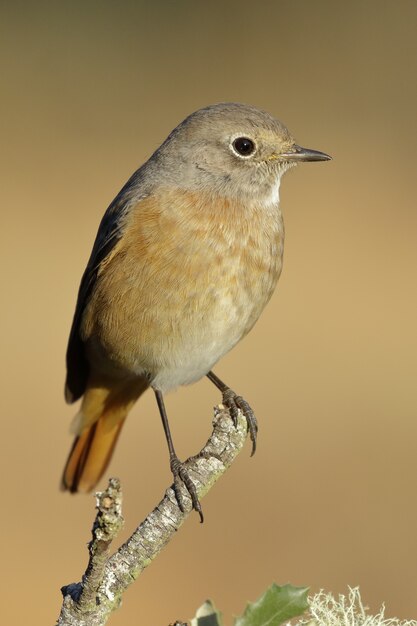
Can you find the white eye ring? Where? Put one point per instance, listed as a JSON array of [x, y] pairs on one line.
[[242, 146]]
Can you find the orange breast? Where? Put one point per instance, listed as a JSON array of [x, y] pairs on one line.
[[190, 276]]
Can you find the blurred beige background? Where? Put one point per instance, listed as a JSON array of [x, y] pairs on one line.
[[89, 90]]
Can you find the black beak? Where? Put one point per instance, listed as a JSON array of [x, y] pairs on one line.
[[297, 153]]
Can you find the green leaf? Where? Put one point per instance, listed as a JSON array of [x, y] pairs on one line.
[[277, 605], [207, 615]]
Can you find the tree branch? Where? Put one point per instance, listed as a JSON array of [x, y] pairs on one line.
[[90, 602]]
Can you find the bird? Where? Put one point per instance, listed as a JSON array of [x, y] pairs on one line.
[[186, 257]]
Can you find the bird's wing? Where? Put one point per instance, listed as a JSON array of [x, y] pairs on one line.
[[109, 233]]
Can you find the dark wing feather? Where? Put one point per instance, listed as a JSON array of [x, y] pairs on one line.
[[109, 233]]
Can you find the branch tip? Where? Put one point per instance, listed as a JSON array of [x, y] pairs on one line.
[[108, 576]]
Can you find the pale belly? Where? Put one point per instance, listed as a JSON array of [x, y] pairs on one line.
[[205, 338]]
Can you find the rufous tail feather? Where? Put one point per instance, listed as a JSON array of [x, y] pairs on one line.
[[97, 426]]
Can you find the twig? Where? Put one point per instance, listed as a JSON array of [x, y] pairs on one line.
[[90, 602]]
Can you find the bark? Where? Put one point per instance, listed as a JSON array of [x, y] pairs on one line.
[[91, 601]]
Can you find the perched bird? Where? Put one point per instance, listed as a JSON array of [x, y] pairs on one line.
[[186, 257]]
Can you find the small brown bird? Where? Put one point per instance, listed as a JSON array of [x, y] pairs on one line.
[[186, 257]]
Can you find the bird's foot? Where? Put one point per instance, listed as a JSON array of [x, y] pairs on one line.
[[181, 475], [233, 403]]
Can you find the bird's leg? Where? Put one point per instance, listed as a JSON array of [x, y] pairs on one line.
[[234, 402], [178, 468]]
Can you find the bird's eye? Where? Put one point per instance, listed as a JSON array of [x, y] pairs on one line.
[[243, 146]]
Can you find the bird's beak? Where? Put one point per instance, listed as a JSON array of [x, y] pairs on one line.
[[297, 153]]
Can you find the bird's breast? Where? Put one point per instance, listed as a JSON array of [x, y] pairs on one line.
[[188, 279]]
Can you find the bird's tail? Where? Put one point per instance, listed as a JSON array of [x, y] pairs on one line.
[[97, 427]]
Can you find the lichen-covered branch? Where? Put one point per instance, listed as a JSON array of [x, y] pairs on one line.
[[90, 602]]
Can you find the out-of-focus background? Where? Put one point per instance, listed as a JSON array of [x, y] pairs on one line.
[[89, 90]]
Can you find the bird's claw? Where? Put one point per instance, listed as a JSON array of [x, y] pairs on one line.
[[233, 402], [181, 475]]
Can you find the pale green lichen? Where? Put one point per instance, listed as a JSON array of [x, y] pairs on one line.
[[326, 610]]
